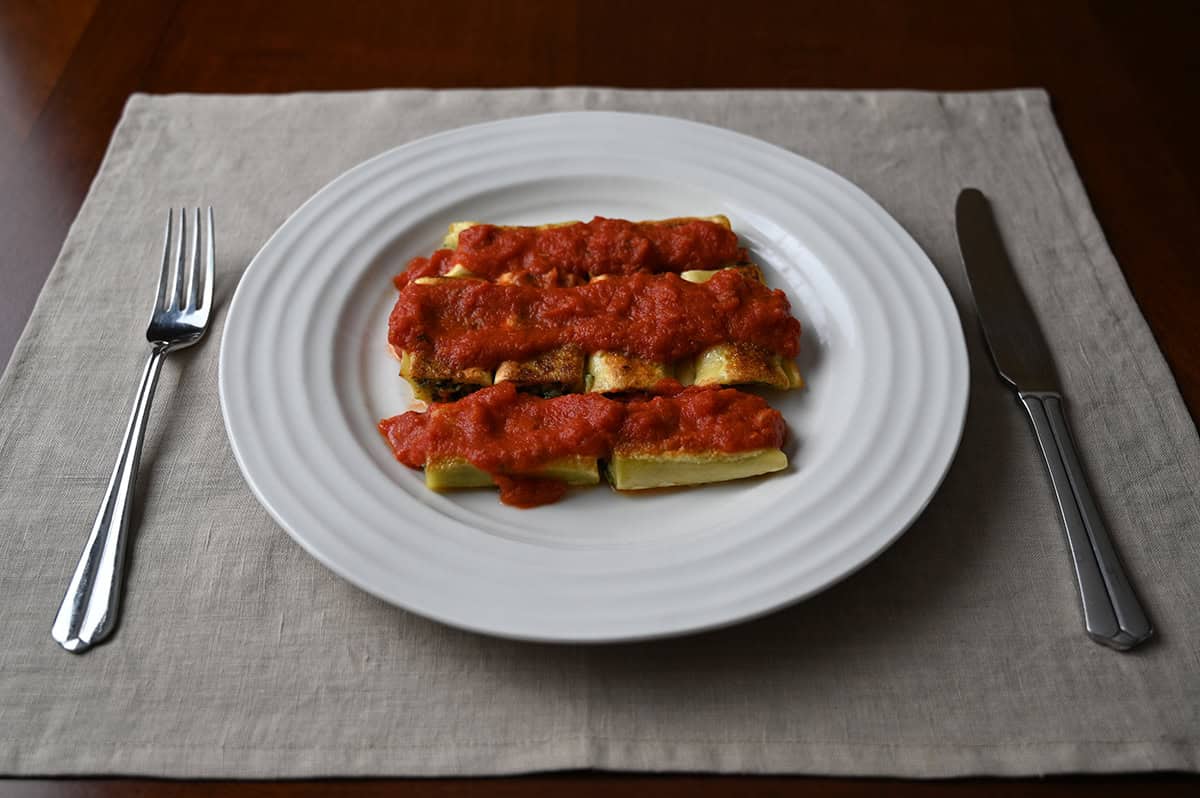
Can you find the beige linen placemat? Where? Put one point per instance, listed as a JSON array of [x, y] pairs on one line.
[[959, 651]]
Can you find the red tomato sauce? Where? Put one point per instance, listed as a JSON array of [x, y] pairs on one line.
[[508, 434], [700, 420], [564, 255], [526, 492], [659, 317]]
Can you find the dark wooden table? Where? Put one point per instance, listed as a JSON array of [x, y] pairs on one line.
[[1124, 79]]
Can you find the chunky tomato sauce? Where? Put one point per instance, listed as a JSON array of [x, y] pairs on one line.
[[507, 433], [588, 249], [659, 317], [526, 492], [700, 420], [503, 431]]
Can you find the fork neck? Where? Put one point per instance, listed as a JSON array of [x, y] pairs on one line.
[[160, 349]]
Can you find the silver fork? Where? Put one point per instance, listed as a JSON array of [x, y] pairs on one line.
[[181, 311]]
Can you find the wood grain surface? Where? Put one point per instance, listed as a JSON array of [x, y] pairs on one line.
[[1124, 79]]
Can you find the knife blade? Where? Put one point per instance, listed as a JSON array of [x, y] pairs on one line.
[[1009, 325], [1112, 614]]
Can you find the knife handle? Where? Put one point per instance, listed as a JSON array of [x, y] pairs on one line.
[[1112, 614]]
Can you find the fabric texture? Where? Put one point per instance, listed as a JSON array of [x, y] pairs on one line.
[[958, 651]]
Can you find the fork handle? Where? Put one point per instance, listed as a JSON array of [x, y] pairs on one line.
[[1112, 614], [89, 610]]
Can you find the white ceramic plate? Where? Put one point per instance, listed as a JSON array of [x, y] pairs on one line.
[[305, 375]]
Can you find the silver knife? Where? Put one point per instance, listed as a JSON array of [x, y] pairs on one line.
[[1112, 614]]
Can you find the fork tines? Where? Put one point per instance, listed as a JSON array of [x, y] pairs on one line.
[[186, 288]]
